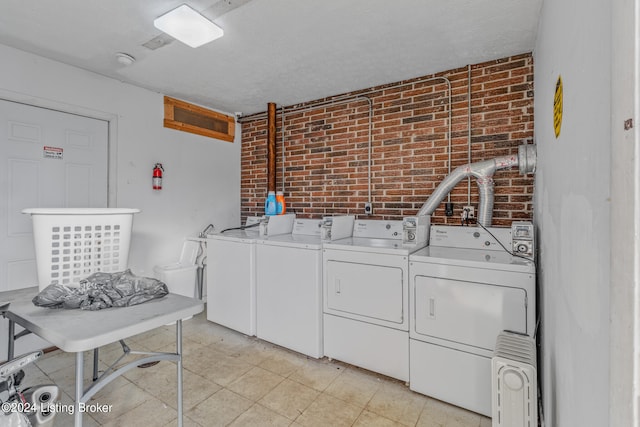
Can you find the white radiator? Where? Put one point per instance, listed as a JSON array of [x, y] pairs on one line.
[[514, 381]]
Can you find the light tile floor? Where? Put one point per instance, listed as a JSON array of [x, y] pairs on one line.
[[231, 379]]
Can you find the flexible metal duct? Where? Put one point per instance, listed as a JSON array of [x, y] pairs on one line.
[[483, 172]]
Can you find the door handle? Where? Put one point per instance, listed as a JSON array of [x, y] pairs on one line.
[[336, 284], [432, 308]]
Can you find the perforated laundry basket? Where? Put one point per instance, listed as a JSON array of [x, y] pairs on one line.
[[71, 244]]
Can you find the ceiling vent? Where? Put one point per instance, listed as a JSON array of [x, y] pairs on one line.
[[187, 117], [158, 42]]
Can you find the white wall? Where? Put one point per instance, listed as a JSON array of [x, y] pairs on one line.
[[571, 206], [625, 216], [202, 175]]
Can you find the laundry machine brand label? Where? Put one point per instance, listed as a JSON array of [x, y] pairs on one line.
[[378, 229], [469, 237]]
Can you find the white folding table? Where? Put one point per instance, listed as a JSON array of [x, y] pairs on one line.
[[77, 331]]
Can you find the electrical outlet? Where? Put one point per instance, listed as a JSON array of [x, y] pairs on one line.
[[470, 211], [448, 209], [368, 208]]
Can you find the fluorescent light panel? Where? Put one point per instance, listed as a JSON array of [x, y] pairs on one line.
[[185, 24]]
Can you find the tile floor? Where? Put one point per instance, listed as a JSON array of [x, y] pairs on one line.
[[232, 379]]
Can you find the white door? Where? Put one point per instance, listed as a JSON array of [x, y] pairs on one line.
[[373, 292], [467, 312], [49, 159], [369, 287]]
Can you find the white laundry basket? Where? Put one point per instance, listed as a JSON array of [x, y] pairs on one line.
[[71, 244]]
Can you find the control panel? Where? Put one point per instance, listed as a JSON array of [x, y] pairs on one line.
[[523, 238], [415, 230], [470, 237], [276, 224], [378, 229], [307, 227], [336, 227]]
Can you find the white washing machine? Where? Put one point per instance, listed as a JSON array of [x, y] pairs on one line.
[[366, 294], [231, 272], [465, 289], [289, 283]]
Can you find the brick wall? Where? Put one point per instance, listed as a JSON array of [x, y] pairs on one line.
[[326, 148]]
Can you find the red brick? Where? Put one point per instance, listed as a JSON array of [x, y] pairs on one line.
[[326, 148]]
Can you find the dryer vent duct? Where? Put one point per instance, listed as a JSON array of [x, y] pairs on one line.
[[483, 172]]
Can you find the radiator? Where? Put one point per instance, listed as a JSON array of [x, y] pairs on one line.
[[514, 381]]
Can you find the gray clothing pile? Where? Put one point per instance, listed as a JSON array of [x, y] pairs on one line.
[[102, 290]]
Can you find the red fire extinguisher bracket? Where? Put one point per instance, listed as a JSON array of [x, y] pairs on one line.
[[157, 176]]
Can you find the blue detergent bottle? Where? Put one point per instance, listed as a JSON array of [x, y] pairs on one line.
[[270, 204]]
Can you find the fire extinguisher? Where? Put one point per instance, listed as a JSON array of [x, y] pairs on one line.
[[157, 176]]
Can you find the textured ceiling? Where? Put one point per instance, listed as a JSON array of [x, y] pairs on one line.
[[282, 51]]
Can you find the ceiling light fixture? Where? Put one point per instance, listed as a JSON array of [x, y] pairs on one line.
[[185, 24]]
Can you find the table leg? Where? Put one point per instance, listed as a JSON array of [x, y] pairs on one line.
[[79, 388], [95, 364], [200, 280], [179, 353], [12, 340]]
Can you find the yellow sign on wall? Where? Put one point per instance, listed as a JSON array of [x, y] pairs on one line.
[[557, 107]]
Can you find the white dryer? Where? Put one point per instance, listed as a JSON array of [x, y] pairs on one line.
[[231, 272], [366, 295], [465, 289]]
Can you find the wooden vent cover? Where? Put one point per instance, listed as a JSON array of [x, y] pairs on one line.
[[191, 118]]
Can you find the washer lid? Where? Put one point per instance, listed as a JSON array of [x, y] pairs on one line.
[[372, 245], [486, 259], [293, 240], [237, 235]]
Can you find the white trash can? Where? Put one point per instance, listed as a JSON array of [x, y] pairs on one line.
[[180, 277]]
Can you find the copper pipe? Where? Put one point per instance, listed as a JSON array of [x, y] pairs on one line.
[[271, 146]]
